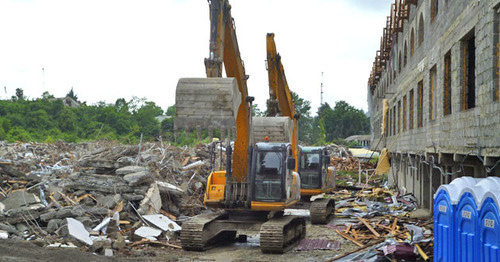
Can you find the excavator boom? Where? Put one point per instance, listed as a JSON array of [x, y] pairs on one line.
[[215, 102]]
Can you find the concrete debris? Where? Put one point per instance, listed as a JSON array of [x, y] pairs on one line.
[[130, 169], [148, 232], [19, 199], [137, 178], [4, 234], [78, 231], [108, 252], [162, 222], [63, 192], [194, 165], [151, 204]]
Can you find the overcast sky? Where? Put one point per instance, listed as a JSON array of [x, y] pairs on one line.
[[110, 49]]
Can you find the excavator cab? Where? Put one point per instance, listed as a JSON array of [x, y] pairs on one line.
[[272, 178], [316, 175]]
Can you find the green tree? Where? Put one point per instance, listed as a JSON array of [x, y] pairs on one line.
[[72, 95]]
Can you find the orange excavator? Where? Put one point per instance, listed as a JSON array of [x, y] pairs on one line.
[[259, 181], [312, 162]]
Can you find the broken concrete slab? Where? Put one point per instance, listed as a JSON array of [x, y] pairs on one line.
[[151, 204], [53, 225], [109, 201], [169, 188], [4, 234], [162, 222], [100, 183], [133, 197], [130, 169], [62, 213], [119, 243], [108, 252], [9, 229], [148, 232], [19, 199], [78, 231], [138, 178]]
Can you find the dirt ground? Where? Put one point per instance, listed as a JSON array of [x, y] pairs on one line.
[[25, 251]]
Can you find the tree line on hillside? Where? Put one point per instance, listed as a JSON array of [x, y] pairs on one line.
[[48, 119]]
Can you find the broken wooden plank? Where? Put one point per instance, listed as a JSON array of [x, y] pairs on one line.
[[67, 199], [393, 228], [165, 213], [369, 226], [186, 161], [348, 228], [17, 182], [422, 253], [349, 238], [355, 234], [58, 205], [118, 207]]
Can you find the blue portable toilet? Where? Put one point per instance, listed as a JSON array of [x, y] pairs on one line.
[[489, 227], [466, 219], [445, 202]]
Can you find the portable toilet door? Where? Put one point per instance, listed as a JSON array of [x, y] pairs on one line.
[[445, 201], [489, 227], [466, 216]]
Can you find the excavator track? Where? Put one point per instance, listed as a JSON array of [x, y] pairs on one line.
[[194, 234], [322, 210], [280, 234]]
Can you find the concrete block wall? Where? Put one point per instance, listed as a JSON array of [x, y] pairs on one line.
[[450, 141]]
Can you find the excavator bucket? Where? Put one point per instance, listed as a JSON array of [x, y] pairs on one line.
[[278, 129], [206, 103]]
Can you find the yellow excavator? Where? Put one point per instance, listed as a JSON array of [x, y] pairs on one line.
[[312, 162], [259, 181]]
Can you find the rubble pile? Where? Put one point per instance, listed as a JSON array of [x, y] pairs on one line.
[[350, 164], [379, 221], [101, 195]]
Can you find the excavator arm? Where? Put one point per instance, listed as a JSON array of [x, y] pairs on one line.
[[280, 102], [224, 49], [212, 103]]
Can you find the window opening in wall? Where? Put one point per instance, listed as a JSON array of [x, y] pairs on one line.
[[432, 87], [469, 72], [420, 103], [399, 116], [394, 120], [404, 113], [389, 123], [421, 30], [405, 53], [412, 42], [399, 62], [412, 99], [434, 9], [447, 84]]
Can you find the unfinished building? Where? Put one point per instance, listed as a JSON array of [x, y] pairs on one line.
[[433, 93]]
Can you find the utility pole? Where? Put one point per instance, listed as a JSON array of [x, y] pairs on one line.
[[321, 89], [43, 79]]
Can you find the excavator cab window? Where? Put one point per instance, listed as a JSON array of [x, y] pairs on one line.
[[309, 170], [269, 176]]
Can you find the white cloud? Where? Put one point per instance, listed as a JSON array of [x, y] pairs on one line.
[[121, 48]]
